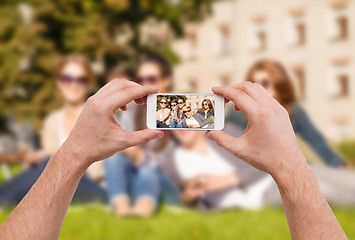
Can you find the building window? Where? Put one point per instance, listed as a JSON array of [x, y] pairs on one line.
[[339, 80], [339, 23], [258, 34], [223, 40], [191, 38], [296, 29], [301, 81]]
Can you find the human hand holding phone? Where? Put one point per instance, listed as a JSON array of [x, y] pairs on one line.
[[106, 136], [270, 145]]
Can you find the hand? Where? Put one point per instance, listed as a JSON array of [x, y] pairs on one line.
[[192, 191], [269, 142], [96, 135]]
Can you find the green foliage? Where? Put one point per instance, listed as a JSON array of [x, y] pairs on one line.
[[348, 149], [107, 32]]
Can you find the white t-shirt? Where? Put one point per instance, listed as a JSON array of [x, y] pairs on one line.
[[190, 164], [191, 122]]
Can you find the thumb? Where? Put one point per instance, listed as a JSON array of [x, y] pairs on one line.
[[143, 136], [226, 141]]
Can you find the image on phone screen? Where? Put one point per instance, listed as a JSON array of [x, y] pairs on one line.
[[186, 111]]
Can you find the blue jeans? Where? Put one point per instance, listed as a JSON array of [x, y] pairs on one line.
[[124, 179], [12, 192], [175, 124]]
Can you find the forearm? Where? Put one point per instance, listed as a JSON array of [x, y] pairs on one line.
[[41, 213], [308, 213]]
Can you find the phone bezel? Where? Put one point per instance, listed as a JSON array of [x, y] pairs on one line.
[[218, 114]]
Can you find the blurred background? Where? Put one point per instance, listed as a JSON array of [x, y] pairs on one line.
[[208, 43]]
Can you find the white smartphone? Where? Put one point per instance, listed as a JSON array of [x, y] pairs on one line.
[[189, 111]]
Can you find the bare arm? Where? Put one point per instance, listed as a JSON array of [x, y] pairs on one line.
[[270, 145], [95, 136], [308, 213]]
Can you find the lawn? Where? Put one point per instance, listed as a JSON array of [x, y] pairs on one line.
[[97, 222]]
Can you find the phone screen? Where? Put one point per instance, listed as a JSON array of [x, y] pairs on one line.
[[185, 111]]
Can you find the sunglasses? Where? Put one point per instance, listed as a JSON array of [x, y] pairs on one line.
[[163, 102], [187, 111], [206, 104], [148, 79], [180, 102], [173, 105], [67, 79]]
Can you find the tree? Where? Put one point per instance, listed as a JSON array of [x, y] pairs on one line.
[[36, 33]]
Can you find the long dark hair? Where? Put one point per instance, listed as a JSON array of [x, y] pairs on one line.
[[209, 102]]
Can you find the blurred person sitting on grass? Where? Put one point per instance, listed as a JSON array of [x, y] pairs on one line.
[[135, 184], [74, 80], [210, 178], [269, 145], [274, 78], [207, 110], [192, 120]]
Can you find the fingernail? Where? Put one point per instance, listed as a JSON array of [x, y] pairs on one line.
[[161, 135]]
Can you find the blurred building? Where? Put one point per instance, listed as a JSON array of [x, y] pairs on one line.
[[314, 39]]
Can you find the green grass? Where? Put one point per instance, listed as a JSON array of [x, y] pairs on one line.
[[97, 222]]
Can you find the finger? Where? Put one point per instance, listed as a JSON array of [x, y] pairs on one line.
[[114, 86], [225, 140], [241, 99], [142, 136], [141, 101], [127, 95], [256, 91]]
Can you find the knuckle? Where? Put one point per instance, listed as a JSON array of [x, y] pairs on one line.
[[94, 104], [96, 107], [122, 142], [263, 113], [247, 86]]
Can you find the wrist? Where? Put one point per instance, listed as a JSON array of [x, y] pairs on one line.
[[289, 176], [73, 159]]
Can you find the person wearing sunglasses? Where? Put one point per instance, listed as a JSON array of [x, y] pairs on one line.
[[269, 145], [207, 110], [135, 184], [178, 115], [163, 114], [195, 120], [273, 76], [74, 79]]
